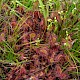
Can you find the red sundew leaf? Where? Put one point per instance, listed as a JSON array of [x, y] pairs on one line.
[[44, 51], [33, 78], [20, 9], [25, 41], [24, 38], [71, 68], [38, 19], [51, 78], [36, 14], [9, 76], [63, 76], [24, 35], [61, 58], [22, 57], [47, 34], [33, 36], [52, 39], [17, 47], [58, 57], [29, 22], [24, 27], [24, 76], [35, 57], [51, 60], [49, 73], [20, 77], [52, 52], [5, 30], [9, 38], [13, 18], [32, 70], [42, 22], [55, 48], [22, 70], [36, 63], [29, 13], [13, 24], [41, 73], [62, 61], [51, 57], [2, 37], [58, 71]]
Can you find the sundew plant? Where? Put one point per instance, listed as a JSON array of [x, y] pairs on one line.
[[39, 39]]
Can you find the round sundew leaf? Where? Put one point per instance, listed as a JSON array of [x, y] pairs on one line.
[[44, 51], [58, 71], [32, 35]]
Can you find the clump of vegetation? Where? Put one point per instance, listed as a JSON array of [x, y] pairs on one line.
[[39, 39]]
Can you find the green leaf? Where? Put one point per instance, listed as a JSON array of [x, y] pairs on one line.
[[1, 4]]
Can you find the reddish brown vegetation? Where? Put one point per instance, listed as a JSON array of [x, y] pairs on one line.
[[46, 57]]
